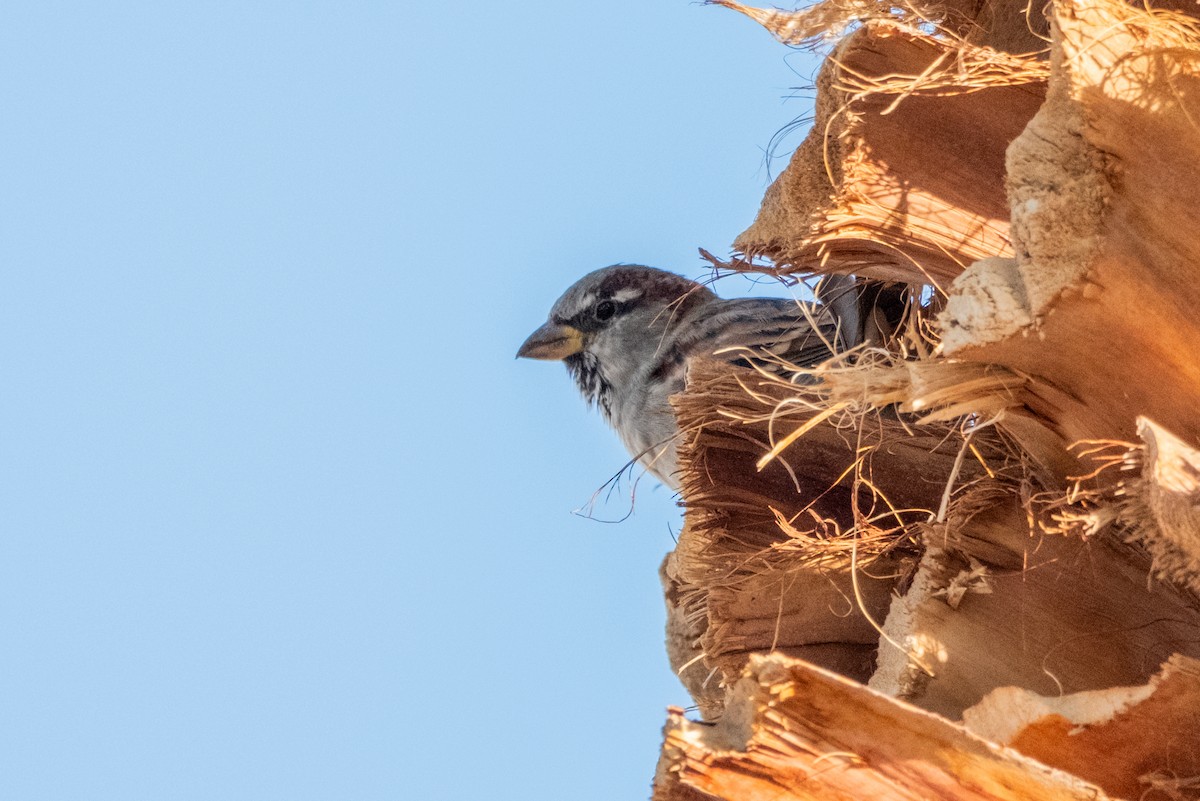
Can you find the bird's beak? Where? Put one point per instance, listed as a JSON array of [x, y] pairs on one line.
[[552, 342]]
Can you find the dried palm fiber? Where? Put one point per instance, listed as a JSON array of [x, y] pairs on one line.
[[1047, 576], [862, 193], [993, 520], [998, 601], [1010, 25], [798, 551], [794, 731], [972, 98], [1102, 186], [1134, 742], [1030, 581], [1150, 491], [1160, 506], [1105, 185], [938, 389]]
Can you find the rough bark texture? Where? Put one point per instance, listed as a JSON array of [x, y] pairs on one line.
[[1105, 205], [992, 512], [1135, 742], [794, 731], [1166, 507], [745, 577], [997, 604], [861, 193]]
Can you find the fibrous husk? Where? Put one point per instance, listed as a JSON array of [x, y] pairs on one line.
[[1010, 25], [795, 731], [941, 390], [998, 602], [1105, 190], [1135, 742], [1162, 509], [861, 194], [797, 520], [1055, 204]]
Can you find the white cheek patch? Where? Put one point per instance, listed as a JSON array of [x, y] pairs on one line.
[[626, 295]]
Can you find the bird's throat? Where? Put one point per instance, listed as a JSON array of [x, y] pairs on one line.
[[585, 368]]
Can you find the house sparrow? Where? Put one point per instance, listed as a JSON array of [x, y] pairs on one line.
[[626, 333]]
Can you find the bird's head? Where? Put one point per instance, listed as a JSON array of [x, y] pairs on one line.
[[608, 325]]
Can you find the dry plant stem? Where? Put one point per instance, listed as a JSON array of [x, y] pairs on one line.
[[801, 554], [1126, 739], [1058, 614], [860, 194], [828, 20], [1105, 185], [794, 731], [1004, 24], [972, 477], [1163, 510]]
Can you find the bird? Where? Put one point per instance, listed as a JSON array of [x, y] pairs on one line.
[[627, 331]]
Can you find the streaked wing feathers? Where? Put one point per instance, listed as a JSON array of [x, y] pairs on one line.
[[780, 330]]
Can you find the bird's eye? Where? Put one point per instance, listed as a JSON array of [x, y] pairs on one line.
[[605, 309]]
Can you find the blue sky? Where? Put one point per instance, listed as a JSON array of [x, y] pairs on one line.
[[283, 518]]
